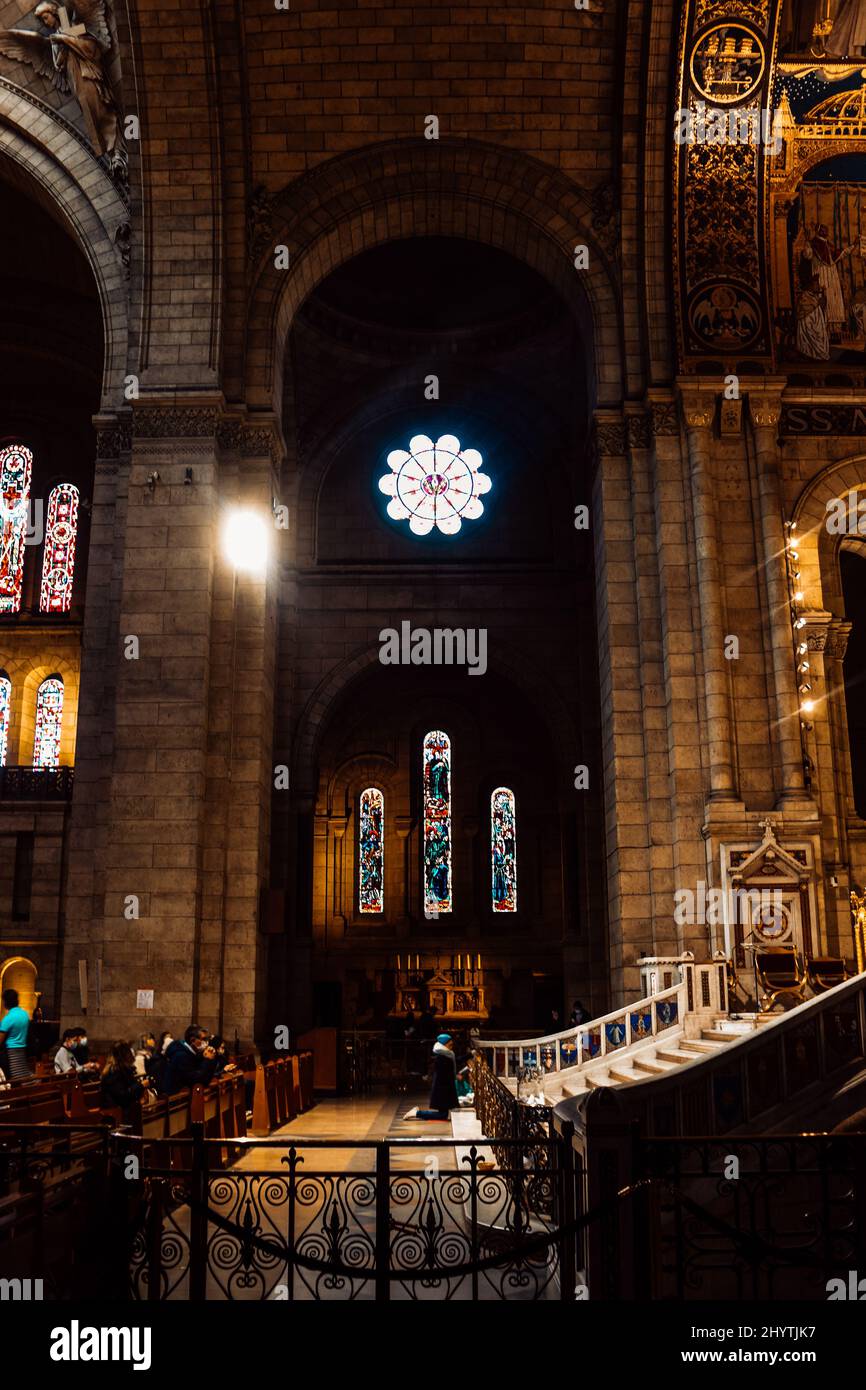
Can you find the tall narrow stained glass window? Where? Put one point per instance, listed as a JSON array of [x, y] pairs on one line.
[[503, 850], [16, 467], [49, 717], [437, 822], [371, 851], [5, 710], [61, 528]]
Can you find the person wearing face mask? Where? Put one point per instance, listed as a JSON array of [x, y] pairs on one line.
[[68, 1056], [189, 1063]]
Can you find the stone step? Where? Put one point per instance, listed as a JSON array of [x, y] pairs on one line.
[[700, 1046], [623, 1077], [594, 1083], [671, 1054], [654, 1067]]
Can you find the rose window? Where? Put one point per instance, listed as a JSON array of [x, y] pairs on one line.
[[435, 484]]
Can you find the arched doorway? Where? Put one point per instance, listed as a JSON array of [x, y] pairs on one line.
[[20, 974], [51, 380]]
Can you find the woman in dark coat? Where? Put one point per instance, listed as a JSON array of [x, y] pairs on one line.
[[443, 1095], [122, 1087]]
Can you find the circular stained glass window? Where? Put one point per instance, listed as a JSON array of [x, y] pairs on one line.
[[435, 484]]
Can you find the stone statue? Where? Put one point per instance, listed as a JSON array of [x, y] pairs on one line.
[[71, 54]]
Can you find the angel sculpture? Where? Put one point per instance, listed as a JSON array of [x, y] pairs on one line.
[[71, 55]]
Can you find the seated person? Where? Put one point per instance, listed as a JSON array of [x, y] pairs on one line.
[[122, 1087], [67, 1057], [189, 1063], [144, 1054]]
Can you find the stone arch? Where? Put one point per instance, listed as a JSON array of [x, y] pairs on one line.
[[366, 769], [464, 189], [819, 548], [316, 712], [30, 682], [19, 972], [51, 163]]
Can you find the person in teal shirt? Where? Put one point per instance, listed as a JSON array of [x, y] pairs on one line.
[[13, 1033]]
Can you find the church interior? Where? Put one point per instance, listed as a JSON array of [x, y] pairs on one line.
[[432, 649]]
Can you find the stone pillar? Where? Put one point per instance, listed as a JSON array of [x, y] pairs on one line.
[[240, 781], [698, 408], [679, 623], [185, 739], [765, 410], [624, 771], [85, 866], [827, 647]]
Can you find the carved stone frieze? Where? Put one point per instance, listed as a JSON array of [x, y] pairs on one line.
[[113, 439], [665, 420], [639, 431], [175, 422], [609, 437]]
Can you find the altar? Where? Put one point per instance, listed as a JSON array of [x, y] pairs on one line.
[[455, 996]]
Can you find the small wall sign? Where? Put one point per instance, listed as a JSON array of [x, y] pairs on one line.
[[144, 999]]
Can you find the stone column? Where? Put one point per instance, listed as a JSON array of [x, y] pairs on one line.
[[678, 815], [835, 780], [624, 770], [85, 866], [148, 914], [765, 410], [240, 782], [698, 408], [185, 730]]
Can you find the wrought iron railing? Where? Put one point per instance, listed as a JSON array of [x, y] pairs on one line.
[[304, 1220], [36, 783], [505, 1119]]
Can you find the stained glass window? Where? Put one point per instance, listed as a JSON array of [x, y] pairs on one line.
[[49, 715], [503, 850], [5, 708], [434, 484], [437, 822], [61, 526], [371, 851], [16, 466]]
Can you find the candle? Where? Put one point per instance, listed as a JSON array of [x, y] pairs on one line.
[[398, 965], [478, 966]]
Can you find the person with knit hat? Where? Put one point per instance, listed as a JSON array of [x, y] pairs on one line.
[[443, 1095]]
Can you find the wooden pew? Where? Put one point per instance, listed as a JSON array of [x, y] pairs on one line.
[[284, 1088]]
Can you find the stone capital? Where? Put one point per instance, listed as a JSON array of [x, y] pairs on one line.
[[698, 400], [838, 633], [814, 634], [765, 401]]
